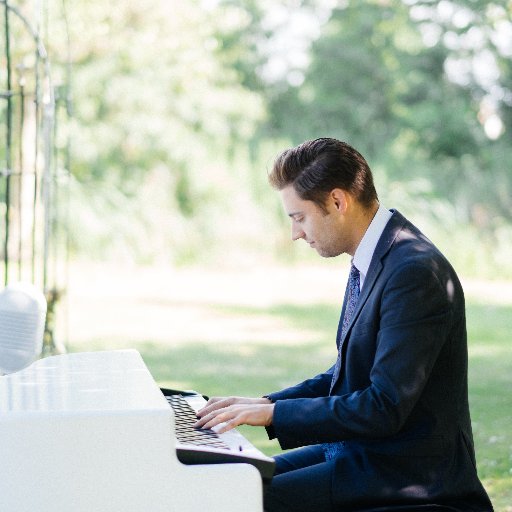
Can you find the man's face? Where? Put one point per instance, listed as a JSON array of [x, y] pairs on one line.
[[324, 231]]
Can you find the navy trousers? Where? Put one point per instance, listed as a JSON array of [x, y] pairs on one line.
[[301, 483]]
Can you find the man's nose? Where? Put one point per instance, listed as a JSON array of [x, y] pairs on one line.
[[297, 233]]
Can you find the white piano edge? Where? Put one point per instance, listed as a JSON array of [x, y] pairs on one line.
[[82, 383], [98, 454]]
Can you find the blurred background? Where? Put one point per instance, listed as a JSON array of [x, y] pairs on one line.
[[136, 138]]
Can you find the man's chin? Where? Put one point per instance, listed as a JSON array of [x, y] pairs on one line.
[[325, 253]]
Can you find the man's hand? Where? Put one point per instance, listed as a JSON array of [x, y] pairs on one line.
[[234, 411]]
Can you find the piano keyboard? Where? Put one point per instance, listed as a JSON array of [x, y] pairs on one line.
[[202, 446], [184, 418]]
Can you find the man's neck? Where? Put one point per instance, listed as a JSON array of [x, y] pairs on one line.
[[362, 219]]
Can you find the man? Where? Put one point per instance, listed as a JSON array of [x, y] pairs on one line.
[[388, 426]]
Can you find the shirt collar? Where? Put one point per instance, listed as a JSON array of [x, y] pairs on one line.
[[366, 248]]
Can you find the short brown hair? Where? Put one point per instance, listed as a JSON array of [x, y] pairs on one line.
[[316, 167]]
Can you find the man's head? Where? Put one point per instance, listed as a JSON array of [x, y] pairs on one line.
[[316, 167], [327, 190]]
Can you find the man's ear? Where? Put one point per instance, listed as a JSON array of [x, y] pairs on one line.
[[340, 199]]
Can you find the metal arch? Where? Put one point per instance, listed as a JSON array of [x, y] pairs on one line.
[[44, 154]]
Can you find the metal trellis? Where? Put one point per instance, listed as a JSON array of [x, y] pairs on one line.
[[36, 167]]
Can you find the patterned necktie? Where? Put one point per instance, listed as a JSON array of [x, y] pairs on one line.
[[331, 450], [352, 298]]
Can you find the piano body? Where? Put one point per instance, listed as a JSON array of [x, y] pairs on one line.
[[92, 432]]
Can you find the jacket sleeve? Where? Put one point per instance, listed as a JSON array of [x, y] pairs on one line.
[[414, 313], [310, 388]]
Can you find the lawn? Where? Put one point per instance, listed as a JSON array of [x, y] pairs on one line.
[[490, 393], [249, 333]]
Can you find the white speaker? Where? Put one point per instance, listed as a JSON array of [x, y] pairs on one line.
[[22, 319]]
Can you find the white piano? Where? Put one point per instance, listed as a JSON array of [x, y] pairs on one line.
[[92, 432]]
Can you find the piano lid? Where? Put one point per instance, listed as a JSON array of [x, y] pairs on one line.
[[85, 382]]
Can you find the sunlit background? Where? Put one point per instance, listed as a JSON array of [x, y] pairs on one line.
[[136, 141], [180, 107]]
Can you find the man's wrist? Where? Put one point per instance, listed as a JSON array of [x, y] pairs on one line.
[[271, 415]]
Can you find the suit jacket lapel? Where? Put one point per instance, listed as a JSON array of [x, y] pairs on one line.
[[393, 227]]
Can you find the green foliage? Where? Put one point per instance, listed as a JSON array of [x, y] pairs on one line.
[[202, 96], [150, 93]]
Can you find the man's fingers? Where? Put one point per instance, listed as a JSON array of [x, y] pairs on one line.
[[238, 414], [214, 418], [228, 425], [232, 416], [215, 404]]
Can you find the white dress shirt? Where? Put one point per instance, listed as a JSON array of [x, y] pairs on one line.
[[364, 252]]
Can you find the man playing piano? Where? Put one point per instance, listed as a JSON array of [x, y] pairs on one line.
[[387, 427]]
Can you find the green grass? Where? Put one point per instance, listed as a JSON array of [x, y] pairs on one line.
[[490, 393], [253, 368]]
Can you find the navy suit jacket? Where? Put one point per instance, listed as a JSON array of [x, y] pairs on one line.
[[400, 404]]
